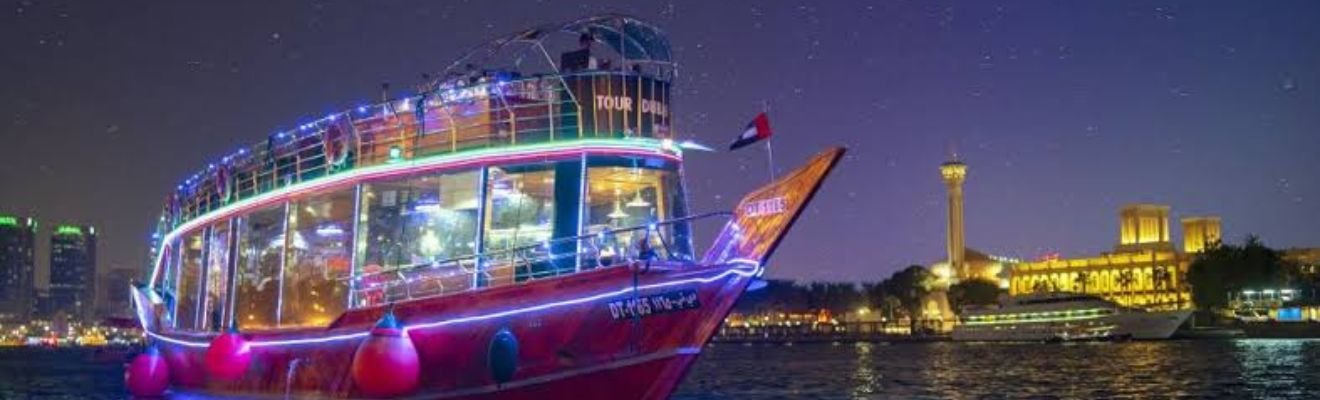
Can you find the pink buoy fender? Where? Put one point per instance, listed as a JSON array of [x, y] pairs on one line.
[[386, 363], [228, 356], [147, 375]]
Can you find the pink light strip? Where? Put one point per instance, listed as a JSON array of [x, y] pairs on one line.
[[737, 272]]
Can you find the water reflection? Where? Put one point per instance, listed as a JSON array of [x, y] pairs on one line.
[[1185, 369], [1271, 367], [865, 374], [1243, 369]]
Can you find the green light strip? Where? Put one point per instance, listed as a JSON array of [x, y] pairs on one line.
[[8, 221], [68, 230], [1002, 319], [659, 146]]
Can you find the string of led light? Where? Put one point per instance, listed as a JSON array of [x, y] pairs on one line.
[[618, 147], [744, 268]]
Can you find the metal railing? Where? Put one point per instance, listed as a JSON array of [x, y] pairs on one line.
[[668, 241], [485, 111]]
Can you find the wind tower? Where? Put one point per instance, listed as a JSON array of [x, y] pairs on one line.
[[954, 173]]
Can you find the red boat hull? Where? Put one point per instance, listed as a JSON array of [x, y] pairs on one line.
[[626, 331], [572, 335]]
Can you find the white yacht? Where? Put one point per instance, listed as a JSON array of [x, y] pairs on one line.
[[1064, 316]]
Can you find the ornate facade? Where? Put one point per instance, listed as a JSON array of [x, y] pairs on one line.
[[1144, 271]]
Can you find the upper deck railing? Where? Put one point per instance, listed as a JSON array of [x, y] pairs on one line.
[[666, 241], [485, 110]]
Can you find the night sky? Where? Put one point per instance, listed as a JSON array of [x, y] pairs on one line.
[[1064, 111]]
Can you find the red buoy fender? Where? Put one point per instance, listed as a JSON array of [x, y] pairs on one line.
[[386, 363], [228, 356], [147, 375]]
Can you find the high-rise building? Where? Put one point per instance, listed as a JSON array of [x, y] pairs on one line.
[[17, 265], [114, 298], [42, 308], [73, 271]]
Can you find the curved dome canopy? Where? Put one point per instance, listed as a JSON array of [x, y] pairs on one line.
[[633, 39]]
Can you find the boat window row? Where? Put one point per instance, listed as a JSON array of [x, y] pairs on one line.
[[303, 262], [1044, 316], [495, 111], [1055, 300]]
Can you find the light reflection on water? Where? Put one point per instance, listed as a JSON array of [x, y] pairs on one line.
[[1273, 364], [866, 374], [1251, 368], [1287, 369]]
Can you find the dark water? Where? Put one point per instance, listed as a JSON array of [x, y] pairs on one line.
[[39, 373], [1242, 369], [1263, 369]]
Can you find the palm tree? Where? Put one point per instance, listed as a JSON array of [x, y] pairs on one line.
[[1125, 281], [1082, 280], [890, 304]]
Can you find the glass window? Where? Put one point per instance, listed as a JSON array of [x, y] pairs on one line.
[[260, 253], [419, 220], [415, 221], [319, 258], [190, 281], [168, 278], [217, 280], [624, 193], [520, 211], [520, 206]]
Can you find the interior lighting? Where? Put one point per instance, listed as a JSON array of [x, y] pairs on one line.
[[618, 211], [632, 147], [638, 202]]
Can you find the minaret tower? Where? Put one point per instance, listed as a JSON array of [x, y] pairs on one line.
[[954, 173]]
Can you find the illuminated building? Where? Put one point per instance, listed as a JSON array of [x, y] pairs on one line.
[[807, 323], [1307, 259], [1200, 233], [954, 173], [1143, 227], [963, 263], [936, 314], [17, 263], [73, 271], [1145, 270]]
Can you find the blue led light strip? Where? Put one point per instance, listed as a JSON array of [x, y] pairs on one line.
[[747, 268]]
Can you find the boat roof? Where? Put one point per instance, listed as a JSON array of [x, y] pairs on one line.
[[646, 59], [633, 39]]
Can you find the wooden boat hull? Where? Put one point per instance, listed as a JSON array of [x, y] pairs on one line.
[[573, 334]]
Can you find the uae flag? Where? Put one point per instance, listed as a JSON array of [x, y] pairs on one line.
[[757, 130]]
